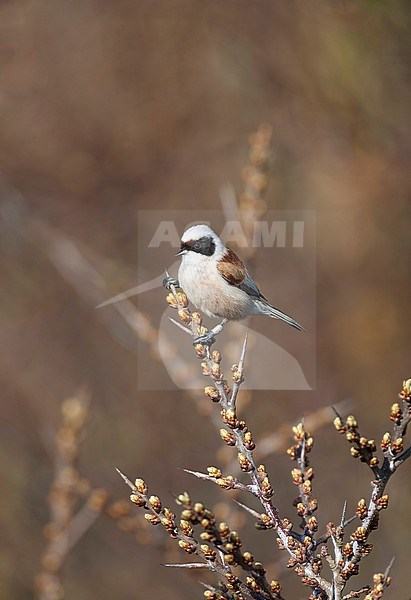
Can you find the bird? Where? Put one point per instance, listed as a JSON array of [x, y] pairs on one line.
[[217, 282]]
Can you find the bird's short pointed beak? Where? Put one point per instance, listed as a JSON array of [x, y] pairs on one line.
[[181, 252]]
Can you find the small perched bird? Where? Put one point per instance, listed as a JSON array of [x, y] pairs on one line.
[[217, 282]]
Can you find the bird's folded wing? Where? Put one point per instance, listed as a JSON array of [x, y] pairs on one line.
[[235, 273]]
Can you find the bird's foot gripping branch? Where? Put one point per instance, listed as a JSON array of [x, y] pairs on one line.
[[325, 561]]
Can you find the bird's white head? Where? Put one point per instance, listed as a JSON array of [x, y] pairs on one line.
[[200, 241]]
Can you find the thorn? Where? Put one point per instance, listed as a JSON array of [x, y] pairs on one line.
[[209, 587], [388, 569], [126, 479], [199, 475], [186, 565], [344, 512], [350, 520], [122, 296], [241, 363], [337, 414], [252, 512], [185, 329]]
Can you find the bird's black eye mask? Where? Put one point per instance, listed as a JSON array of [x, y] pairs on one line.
[[204, 245]]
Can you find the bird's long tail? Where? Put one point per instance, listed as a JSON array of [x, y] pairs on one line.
[[274, 313]]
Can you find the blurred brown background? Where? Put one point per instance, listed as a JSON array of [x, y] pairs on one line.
[[110, 106]]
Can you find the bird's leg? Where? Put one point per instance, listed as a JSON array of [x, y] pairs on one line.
[[209, 338], [169, 281]]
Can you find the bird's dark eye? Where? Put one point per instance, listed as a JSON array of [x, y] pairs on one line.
[[197, 246]]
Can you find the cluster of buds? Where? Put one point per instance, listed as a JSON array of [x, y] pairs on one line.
[[238, 376], [390, 446], [362, 447], [301, 547], [396, 413], [229, 417], [227, 437], [405, 393], [380, 582], [159, 514], [362, 509], [222, 538], [178, 300], [75, 416], [243, 461], [251, 203], [305, 443], [302, 477], [212, 368], [360, 535], [66, 490], [265, 522], [210, 391]]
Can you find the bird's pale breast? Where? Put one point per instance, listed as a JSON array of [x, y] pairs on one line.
[[210, 293]]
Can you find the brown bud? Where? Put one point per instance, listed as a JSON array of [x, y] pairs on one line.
[[312, 524], [248, 441], [362, 509], [185, 316], [309, 443], [186, 546], [216, 356], [152, 519], [338, 424], [172, 300], [360, 534], [155, 503], [229, 417], [206, 369], [226, 483], [397, 446], [183, 498], [168, 524], [196, 318], [352, 436], [186, 528], [182, 299], [208, 552], [313, 504], [386, 441], [214, 472], [141, 486], [227, 437], [306, 488], [297, 476], [275, 586], [396, 413], [224, 528], [244, 463], [351, 422], [383, 502], [212, 393], [215, 371], [299, 432], [199, 508], [137, 499], [266, 488]]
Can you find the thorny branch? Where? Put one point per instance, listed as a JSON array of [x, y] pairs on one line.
[[307, 551]]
